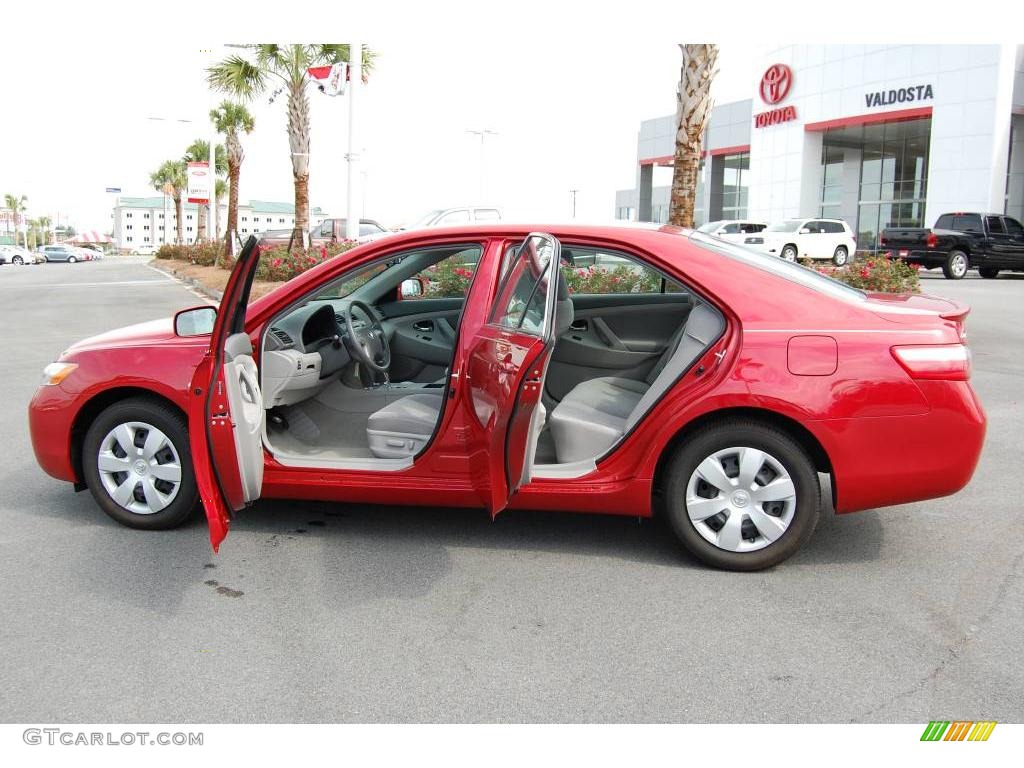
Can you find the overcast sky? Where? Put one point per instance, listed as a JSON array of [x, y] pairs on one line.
[[565, 84], [565, 120]]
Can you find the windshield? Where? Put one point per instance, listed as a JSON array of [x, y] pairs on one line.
[[784, 226], [711, 226], [790, 270]]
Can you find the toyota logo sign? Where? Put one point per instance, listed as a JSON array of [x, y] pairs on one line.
[[775, 83]]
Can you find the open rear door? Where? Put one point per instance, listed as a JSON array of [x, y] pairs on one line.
[[225, 415], [507, 364]]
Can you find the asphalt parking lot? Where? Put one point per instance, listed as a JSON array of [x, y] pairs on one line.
[[319, 612]]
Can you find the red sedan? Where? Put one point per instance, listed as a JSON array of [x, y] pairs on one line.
[[616, 370]]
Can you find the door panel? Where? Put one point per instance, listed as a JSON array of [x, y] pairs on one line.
[[225, 412], [505, 368], [614, 335], [421, 343]]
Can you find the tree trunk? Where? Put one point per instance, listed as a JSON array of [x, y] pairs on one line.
[[235, 157], [693, 108], [179, 224], [298, 140]]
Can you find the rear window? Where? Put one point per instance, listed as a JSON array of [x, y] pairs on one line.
[[784, 226], [790, 270], [960, 222]]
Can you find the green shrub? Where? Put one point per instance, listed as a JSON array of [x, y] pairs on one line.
[[875, 274]]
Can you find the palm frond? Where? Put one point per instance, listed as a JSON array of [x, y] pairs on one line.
[[239, 76]]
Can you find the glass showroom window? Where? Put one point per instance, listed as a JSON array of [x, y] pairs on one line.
[[893, 184], [831, 182], [735, 179]]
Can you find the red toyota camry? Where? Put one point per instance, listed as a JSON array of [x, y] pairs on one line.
[[617, 370]]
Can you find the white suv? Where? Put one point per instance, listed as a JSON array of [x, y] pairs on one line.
[[794, 239], [733, 230]]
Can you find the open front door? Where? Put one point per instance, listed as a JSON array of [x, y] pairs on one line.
[[225, 415], [507, 364]]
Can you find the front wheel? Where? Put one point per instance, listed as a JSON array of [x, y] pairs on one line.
[[789, 253], [956, 265], [72, 259], [17, 260], [841, 256], [742, 495], [989, 273], [136, 462]]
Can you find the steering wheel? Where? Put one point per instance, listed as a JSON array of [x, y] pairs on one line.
[[368, 344]]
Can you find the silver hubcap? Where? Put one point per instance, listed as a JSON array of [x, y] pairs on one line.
[[840, 257], [740, 499], [959, 265], [139, 467], [789, 254]]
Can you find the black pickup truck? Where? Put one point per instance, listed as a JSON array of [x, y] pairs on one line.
[[960, 241]]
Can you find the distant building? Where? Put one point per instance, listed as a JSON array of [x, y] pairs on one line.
[[141, 223], [877, 135]]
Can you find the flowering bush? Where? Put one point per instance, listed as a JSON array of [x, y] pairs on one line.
[[279, 263], [448, 278], [876, 274], [621, 279], [203, 254]]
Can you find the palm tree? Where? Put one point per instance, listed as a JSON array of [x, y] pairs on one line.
[[230, 118], [199, 152], [170, 179], [247, 78], [44, 225], [693, 108], [17, 206]]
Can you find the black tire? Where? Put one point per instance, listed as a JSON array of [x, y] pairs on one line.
[[956, 265], [989, 273], [17, 260], [789, 253], [724, 434], [841, 256], [170, 421]]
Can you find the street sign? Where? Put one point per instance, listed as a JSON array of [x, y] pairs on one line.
[[198, 187], [115, 190]]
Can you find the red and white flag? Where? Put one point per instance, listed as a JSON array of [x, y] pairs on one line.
[[332, 79]]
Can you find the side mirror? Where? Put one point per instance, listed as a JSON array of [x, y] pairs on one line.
[[805, 231], [197, 321], [412, 288]]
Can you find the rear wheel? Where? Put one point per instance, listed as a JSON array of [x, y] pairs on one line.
[[72, 259], [136, 462], [742, 495], [841, 256], [789, 253], [956, 265], [989, 273]]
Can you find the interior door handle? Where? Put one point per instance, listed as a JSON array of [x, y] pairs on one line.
[[579, 325], [423, 325]]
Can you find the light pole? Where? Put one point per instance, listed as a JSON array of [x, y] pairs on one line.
[[573, 193], [166, 186], [483, 133], [355, 82]]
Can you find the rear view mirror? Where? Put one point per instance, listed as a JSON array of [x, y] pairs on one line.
[[411, 288], [197, 321]]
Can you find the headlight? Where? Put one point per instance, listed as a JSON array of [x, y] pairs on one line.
[[55, 373]]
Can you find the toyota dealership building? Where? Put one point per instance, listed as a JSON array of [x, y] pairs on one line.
[[877, 135]]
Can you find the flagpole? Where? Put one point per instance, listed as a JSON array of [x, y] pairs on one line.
[[355, 60]]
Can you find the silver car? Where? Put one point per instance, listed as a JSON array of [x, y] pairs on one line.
[[15, 254], [66, 253]]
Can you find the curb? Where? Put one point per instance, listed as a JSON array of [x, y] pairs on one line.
[[191, 282]]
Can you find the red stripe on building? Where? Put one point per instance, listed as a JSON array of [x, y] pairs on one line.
[[875, 117], [669, 159]]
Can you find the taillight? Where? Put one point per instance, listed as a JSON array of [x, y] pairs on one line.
[[932, 241], [951, 362]]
